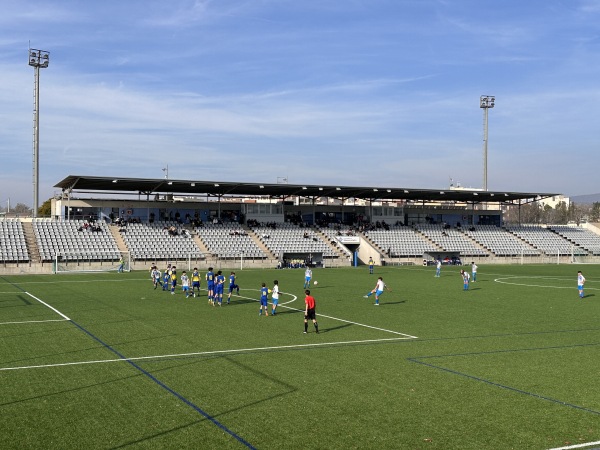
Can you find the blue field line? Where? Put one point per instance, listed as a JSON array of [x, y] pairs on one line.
[[523, 333], [167, 388], [157, 381], [511, 350], [418, 360]]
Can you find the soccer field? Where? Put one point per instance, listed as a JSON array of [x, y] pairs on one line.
[[106, 361]]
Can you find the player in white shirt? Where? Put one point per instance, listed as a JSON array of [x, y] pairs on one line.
[[185, 285], [473, 272], [155, 275], [580, 283], [466, 278], [380, 286], [307, 277], [275, 296]]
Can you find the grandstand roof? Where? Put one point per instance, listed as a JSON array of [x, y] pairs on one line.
[[114, 185]]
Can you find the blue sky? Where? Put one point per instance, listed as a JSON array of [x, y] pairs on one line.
[[354, 92]]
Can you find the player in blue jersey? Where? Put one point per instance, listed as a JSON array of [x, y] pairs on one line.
[[195, 282], [219, 287], [210, 286], [166, 280], [264, 300], [232, 286], [173, 280], [307, 277], [371, 265]]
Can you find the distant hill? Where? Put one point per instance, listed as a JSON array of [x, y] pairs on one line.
[[585, 199]]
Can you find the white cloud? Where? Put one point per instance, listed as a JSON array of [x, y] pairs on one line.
[[323, 91]]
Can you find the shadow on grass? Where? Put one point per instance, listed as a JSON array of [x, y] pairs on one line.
[[327, 330], [81, 350], [237, 302], [286, 390], [392, 303], [288, 311], [20, 297]]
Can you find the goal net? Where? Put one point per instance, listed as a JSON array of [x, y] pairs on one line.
[[98, 261], [586, 259]]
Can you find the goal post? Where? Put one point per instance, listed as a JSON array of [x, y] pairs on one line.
[[98, 261]]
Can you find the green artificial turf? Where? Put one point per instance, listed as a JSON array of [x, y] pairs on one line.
[[510, 364]]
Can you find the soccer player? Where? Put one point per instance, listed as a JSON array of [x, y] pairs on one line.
[[473, 271], [309, 312], [438, 267], [580, 283], [173, 279], [185, 285], [264, 297], [166, 280], [232, 286], [155, 277], [275, 296], [121, 264], [307, 277], [371, 265], [219, 287], [195, 282], [210, 286], [466, 278], [380, 286]]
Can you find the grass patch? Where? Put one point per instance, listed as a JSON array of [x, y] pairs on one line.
[[511, 363]]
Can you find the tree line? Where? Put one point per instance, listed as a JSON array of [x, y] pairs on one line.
[[561, 214]]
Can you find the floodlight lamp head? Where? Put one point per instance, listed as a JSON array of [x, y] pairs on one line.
[[39, 58], [487, 101]]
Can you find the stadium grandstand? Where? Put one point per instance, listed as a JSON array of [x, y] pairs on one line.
[[105, 223]]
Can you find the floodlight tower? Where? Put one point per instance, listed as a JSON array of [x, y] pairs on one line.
[[38, 59], [486, 102]]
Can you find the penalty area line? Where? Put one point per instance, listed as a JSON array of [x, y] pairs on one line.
[[207, 353], [47, 305], [407, 336], [294, 298]]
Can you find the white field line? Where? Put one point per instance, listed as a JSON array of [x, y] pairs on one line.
[[217, 352], [284, 305], [47, 305], [569, 447], [407, 336], [492, 274], [207, 353], [503, 281], [34, 321]]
